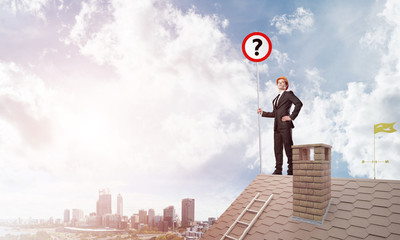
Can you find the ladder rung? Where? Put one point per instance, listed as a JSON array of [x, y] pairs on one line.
[[249, 210], [256, 217], [244, 223], [231, 237], [249, 225]]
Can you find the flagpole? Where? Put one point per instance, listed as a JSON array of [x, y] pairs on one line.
[[259, 116], [374, 155], [380, 127]]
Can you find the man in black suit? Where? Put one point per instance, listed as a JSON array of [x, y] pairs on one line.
[[283, 123]]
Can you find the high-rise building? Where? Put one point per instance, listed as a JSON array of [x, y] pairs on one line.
[[77, 214], [92, 219], [169, 216], [67, 215], [111, 220], [152, 213], [103, 204], [119, 205], [158, 220], [143, 216], [124, 222], [77, 217], [135, 221], [187, 212]]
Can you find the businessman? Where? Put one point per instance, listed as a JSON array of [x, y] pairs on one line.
[[283, 123]]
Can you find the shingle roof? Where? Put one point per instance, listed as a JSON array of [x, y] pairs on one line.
[[360, 209]]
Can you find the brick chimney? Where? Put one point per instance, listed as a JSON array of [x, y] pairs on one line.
[[311, 182]]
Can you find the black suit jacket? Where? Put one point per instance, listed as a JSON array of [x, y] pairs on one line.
[[283, 109]]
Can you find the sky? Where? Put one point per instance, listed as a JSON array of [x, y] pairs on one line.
[[155, 100]]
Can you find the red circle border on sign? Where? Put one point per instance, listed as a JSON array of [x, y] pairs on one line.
[[269, 50]]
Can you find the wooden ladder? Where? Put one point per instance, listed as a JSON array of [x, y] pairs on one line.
[[249, 225]]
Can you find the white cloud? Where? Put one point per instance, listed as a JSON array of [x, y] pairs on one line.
[[346, 118], [33, 7], [177, 99], [225, 23], [23, 101], [375, 39], [281, 58], [179, 74], [313, 81], [391, 13], [302, 20], [25, 132]]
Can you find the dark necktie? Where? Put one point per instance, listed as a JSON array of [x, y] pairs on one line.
[[276, 100]]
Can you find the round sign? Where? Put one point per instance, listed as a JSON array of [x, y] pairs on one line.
[[256, 47]]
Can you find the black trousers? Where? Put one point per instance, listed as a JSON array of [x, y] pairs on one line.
[[283, 138]]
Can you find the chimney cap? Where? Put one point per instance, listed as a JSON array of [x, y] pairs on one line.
[[312, 145]]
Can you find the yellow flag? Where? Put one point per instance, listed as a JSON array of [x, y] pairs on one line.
[[384, 127]]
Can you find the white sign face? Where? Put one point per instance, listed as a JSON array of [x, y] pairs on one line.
[[256, 47]]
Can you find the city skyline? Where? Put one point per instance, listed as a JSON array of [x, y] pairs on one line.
[[67, 212], [104, 206]]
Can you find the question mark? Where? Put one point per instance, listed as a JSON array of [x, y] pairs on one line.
[[259, 43]]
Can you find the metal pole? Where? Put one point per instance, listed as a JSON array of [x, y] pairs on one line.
[[259, 116], [374, 156]]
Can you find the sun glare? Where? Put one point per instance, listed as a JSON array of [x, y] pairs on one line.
[[91, 130]]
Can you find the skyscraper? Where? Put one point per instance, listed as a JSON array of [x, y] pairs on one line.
[[67, 215], [143, 216], [187, 212], [119, 205], [77, 214], [169, 215], [152, 213], [135, 221], [103, 204]]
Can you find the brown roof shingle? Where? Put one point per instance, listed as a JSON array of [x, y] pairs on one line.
[[360, 209]]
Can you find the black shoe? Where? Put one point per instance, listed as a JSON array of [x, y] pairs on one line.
[[277, 172], [289, 173]]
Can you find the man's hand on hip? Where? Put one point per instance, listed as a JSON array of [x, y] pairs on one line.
[[286, 118]]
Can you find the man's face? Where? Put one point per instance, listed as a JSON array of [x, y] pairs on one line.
[[281, 84]]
